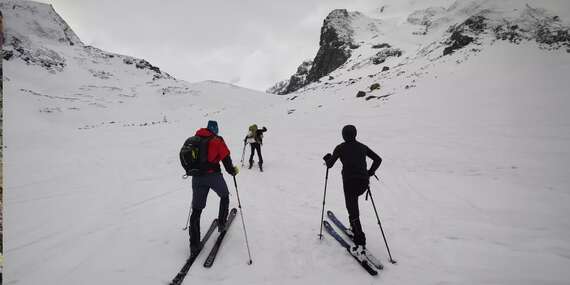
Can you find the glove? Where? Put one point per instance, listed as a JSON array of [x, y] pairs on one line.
[[235, 171], [371, 173], [327, 157]]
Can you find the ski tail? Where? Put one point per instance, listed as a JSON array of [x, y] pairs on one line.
[[339, 224], [346, 245], [214, 251], [184, 271], [373, 260]]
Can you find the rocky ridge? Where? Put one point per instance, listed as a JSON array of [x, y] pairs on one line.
[[354, 50], [37, 35]]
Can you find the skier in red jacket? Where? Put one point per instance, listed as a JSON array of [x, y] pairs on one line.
[[212, 179]]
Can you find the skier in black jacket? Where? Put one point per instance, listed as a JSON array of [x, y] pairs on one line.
[[355, 178]]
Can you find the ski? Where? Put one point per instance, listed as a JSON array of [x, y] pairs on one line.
[[214, 251], [346, 245], [349, 234], [180, 276]]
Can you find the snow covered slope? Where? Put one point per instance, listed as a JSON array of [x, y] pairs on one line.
[[409, 36], [474, 184]]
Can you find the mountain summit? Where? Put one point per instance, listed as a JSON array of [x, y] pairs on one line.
[[36, 35], [354, 46]]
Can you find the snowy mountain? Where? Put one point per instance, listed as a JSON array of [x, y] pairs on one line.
[[355, 47], [45, 60], [474, 182]]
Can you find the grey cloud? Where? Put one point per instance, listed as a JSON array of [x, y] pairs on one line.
[[253, 43]]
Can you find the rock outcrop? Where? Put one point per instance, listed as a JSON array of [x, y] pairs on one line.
[[336, 43], [295, 82]]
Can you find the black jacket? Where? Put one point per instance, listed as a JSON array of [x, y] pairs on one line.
[[353, 155]]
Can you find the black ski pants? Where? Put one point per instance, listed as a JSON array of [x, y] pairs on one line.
[[353, 188], [255, 147], [201, 186]]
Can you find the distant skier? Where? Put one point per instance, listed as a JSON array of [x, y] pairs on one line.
[[206, 175], [355, 179], [255, 139]]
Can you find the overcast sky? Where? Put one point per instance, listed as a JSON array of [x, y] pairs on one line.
[[251, 43]]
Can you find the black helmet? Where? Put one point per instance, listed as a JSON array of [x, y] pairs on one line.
[[349, 133]]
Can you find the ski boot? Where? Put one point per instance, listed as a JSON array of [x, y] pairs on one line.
[[350, 233], [359, 252], [260, 166], [222, 225], [194, 249]]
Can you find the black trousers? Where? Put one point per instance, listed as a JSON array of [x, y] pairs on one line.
[[255, 147], [354, 188], [201, 185]]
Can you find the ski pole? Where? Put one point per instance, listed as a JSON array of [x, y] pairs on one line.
[[243, 153], [379, 223], [324, 198], [185, 176], [242, 222], [188, 220]]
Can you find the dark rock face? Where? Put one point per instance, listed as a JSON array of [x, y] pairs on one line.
[[385, 53], [465, 33], [335, 45], [143, 64], [335, 49], [278, 88], [458, 41], [299, 79], [43, 57], [385, 68], [382, 45], [295, 82], [552, 37], [360, 94], [7, 54], [533, 24], [476, 23]]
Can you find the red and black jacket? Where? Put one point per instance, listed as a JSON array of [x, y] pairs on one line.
[[217, 151]]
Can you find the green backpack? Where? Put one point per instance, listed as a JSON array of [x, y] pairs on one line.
[[255, 135], [253, 129]]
